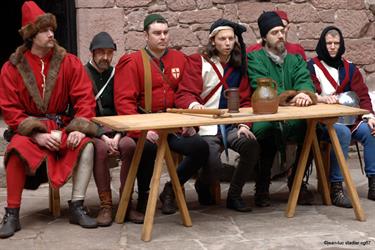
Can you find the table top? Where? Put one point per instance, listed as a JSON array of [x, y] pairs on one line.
[[174, 120]]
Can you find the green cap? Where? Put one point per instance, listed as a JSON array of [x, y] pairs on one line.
[[152, 18]]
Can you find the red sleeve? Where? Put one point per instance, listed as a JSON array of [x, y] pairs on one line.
[[360, 88], [253, 47], [191, 85], [80, 91], [126, 85], [244, 90], [11, 107]]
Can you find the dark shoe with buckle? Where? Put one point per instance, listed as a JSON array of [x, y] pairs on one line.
[[205, 197], [371, 188], [168, 200], [238, 204], [10, 223], [134, 216], [142, 202], [338, 196], [78, 215]]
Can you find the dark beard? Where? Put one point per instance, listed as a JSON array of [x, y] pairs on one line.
[[103, 65]]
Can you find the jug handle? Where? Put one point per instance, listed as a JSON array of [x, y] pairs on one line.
[[274, 84]]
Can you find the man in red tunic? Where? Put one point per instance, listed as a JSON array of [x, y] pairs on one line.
[[134, 94], [292, 48], [37, 84]]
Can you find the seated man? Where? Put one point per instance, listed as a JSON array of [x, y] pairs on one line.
[[135, 94], [333, 75], [291, 76], [37, 85], [201, 88], [292, 48], [108, 142]]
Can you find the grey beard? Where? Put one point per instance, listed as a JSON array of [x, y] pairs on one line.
[[280, 47], [278, 59]]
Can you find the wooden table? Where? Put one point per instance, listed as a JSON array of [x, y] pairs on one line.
[[166, 123]]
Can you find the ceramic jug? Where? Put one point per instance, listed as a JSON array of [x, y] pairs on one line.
[[264, 99], [233, 99]]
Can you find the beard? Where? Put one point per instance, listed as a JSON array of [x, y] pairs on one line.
[[103, 64], [280, 47]]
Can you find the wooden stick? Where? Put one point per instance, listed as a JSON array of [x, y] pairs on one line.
[[217, 112]]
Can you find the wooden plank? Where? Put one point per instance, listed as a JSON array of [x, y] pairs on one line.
[[174, 120]]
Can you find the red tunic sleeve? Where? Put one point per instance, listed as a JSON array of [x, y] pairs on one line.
[[191, 85]]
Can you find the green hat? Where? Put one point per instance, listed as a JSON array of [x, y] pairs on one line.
[[152, 18]]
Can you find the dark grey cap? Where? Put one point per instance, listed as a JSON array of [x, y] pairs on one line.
[[102, 40]]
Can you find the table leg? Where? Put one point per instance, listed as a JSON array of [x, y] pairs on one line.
[[154, 189], [127, 191], [293, 196], [186, 220], [359, 213], [321, 172]]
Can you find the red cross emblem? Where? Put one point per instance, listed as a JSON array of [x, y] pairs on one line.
[[175, 72]]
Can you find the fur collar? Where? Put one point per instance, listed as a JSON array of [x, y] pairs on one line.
[[18, 59]]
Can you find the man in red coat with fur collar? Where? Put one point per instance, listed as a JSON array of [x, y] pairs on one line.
[[37, 84]]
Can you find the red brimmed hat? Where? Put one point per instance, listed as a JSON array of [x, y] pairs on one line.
[[34, 19]]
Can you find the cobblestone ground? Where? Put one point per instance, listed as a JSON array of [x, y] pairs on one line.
[[214, 227]]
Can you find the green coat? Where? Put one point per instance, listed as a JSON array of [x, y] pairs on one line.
[[291, 75]]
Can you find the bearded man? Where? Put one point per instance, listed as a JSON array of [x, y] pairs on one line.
[[293, 83]]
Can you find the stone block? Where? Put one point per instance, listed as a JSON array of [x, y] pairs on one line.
[[370, 82], [183, 37], [88, 20], [204, 4], [360, 51], [309, 44], [95, 3], [351, 22], [310, 30], [134, 40], [230, 12], [327, 16], [370, 68], [301, 13], [132, 4], [157, 8], [200, 16], [248, 12], [135, 20], [3, 181], [181, 5], [338, 4]]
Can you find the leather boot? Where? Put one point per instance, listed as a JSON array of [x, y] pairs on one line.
[[168, 200], [234, 200], [134, 216], [237, 204], [262, 195], [10, 223], [205, 197], [142, 202], [338, 196], [305, 197], [79, 216], [104, 218], [371, 188]]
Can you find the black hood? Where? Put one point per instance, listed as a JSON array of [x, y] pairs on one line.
[[322, 51]]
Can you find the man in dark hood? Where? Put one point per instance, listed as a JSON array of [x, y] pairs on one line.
[[334, 77]]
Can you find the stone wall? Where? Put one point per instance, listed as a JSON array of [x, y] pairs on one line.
[[189, 21]]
